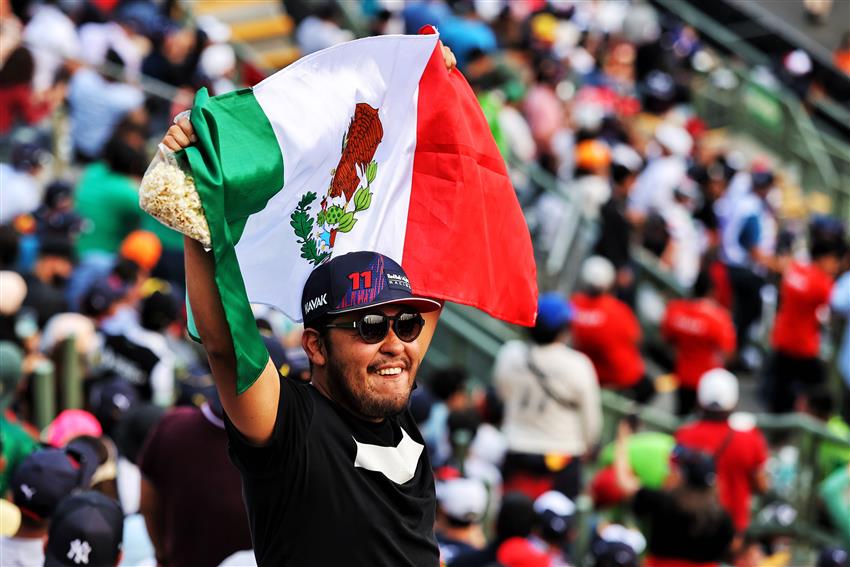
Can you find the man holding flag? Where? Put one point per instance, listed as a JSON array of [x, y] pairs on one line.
[[335, 472]]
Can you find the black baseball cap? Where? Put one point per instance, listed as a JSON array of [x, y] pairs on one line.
[[86, 529], [43, 479], [358, 280]]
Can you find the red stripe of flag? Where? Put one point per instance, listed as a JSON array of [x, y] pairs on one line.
[[467, 240]]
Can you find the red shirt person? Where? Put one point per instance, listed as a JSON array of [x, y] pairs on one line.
[[739, 448], [607, 331], [702, 335], [804, 291]]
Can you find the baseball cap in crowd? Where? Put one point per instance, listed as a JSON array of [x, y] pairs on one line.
[[833, 557], [463, 499], [697, 468], [14, 291], [110, 399], [554, 311], [613, 554], [718, 390], [617, 546], [65, 325], [355, 281], [86, 529], [101, 295], [592, 154], [555, 512], [43, 479], [762, 179], [143, 248], [69, 424], [598, 272]]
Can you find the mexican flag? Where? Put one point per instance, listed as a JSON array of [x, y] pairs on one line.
[[368, 145]]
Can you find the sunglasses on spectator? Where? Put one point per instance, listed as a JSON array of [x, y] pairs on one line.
[[374, 327]]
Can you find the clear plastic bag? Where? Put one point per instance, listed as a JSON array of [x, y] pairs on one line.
[[168, 194]]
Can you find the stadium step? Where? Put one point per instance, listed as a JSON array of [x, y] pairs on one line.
[[261, 28]]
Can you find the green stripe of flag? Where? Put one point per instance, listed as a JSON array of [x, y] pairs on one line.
[[237, 167]]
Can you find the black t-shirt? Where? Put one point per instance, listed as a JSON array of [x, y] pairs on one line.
[[677, 533], [315, 494]]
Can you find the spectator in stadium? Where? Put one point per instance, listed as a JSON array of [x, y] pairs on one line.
[[701, 333], [108, 201], [607, 331], [553, 415], [682, 254], [22, 188], [87, 529], [191, 496], [515, 523], [320, 30], [461, 506], [747, 247], [46, 284], [616, 228], [448, 387], [39, 483], [19, 103], [555, 516], [52, 36], [98, 102], [795, 365], [738, 448], [653, 189], [685, 521]]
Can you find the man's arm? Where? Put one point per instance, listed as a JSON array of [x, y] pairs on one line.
[[151, 510], [254, 411]]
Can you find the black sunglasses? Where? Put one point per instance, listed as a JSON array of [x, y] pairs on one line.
[[374, 327]]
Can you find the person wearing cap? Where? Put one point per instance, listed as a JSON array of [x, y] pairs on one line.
[[685, 521], [39, 483], [461, 506], [747, 248], [702, 335], [87, 529], [514, 526], [191, 495], [804, 292], [739, 448], [654, 186], [555, 514], [608, 332], [683, 250], [342, 452], [553, 416]]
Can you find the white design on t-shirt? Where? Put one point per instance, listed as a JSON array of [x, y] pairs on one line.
[[396, 463]]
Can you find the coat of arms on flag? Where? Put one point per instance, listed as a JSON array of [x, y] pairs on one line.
[[349, 192], [287, 175]]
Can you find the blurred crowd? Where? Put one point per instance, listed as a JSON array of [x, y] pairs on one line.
[[113, 442]]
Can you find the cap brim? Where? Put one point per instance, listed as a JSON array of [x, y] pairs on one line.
[[422, 304]]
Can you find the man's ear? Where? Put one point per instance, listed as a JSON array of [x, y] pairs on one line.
[[314, 345]]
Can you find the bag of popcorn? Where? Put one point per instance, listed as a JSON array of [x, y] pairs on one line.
[[168, 194]]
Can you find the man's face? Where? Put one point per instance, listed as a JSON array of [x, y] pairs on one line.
[[371, 380]]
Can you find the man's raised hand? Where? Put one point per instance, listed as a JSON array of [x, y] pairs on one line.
[[181, 134]]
